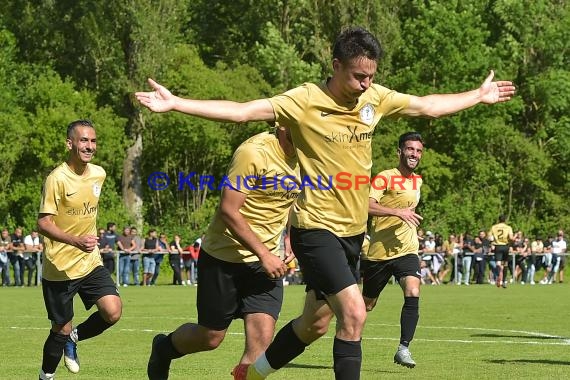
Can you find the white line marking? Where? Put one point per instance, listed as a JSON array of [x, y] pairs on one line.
[[564, 341], [531, 333]]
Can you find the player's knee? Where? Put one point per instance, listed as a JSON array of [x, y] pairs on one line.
[[112, 316], [354, 318], [370, 303], [213, 340], [310, 330], [412, 292], [64, 329], [320, 327]]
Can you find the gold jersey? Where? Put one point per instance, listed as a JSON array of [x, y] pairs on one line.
[[73, 202], [500, 233], [390, 236], [270, 179], [333, 145]]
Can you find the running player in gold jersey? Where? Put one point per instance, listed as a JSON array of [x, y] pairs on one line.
[[241, 273], [72, 262], [394, 240], [331, 124], [501, 235]]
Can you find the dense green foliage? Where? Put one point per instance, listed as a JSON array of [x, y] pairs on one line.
[[63, 60]]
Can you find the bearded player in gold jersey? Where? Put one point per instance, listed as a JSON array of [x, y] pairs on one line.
[[331, 124], [394, 240], [72, 262]]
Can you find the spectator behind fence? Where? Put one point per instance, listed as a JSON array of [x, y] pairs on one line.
[[561, 249], [449, 248], [480, 245], [521, 250], [33, 248], [558, 249], [150, 246], [135, 255], [426, 276], [536, 248], [103, 246], [547, 259], [109, 254], [17, 257], [467, 252], [190, 261], [433, 260], [159, 256], [174, 259], [5, 247], [126, 245]]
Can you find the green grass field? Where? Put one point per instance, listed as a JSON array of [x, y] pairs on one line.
[[476, 332]]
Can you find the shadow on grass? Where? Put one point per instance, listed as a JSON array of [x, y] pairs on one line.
[[311, 366], [528, 361], [293, 365], [519, 336]]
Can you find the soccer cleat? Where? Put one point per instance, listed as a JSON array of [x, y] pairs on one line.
[[70, 358], [504, 284], [246, 372], [404, 357], [157, 369]]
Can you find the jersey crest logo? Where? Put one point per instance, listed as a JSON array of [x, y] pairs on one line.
[[367, 114], [96, 189]]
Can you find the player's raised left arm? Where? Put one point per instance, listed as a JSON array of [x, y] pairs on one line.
[[437, 105]]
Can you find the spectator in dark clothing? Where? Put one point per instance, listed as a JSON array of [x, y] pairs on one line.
[[174, 260]]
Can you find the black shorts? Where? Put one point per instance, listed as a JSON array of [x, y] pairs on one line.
[[376, 274], [501, 252], [228, 291], [58, 295], [329, 263]]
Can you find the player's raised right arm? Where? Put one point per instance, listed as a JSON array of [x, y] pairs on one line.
[[162, 100]]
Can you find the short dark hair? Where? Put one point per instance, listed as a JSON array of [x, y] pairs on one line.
[[78, 123], [409, 136], [502, 218], [356, 42], [110, 224]]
